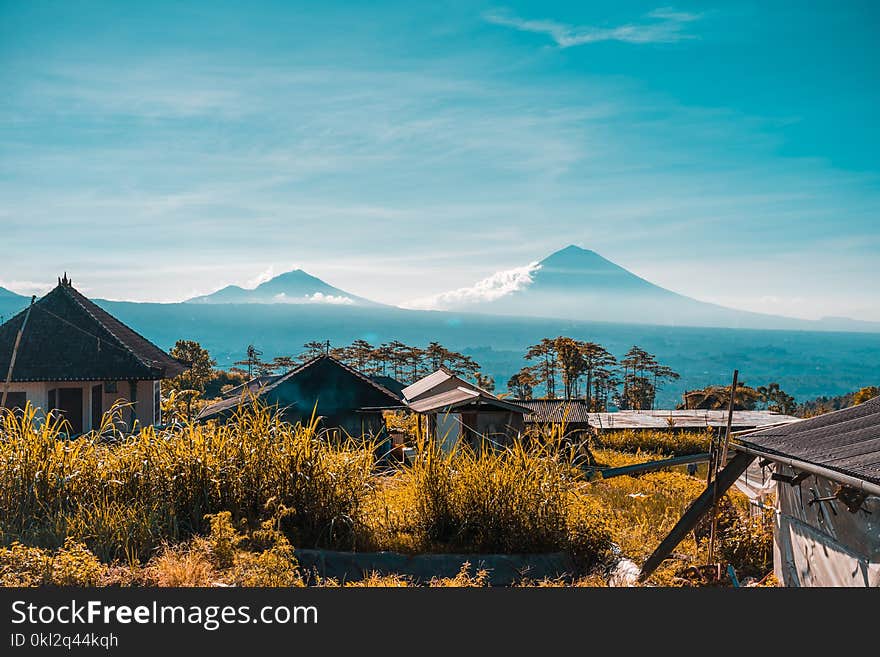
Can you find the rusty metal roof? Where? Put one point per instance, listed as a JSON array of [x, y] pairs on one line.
[[553, 411], [686, 419], [847, 441]]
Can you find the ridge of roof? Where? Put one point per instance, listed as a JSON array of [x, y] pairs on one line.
[[112, 325], [321, 357]]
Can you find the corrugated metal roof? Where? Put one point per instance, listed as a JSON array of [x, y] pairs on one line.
[[685, 419], [444, 400], [847, 440], [420, 399], [426, 384], [571, 411]]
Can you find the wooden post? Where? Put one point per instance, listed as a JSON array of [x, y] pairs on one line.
[[697, 510], [15, 353], [132, 398], [720, 463]]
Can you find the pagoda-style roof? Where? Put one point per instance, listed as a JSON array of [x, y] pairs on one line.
[[70, 338]]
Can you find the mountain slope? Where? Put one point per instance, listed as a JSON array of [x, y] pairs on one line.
[[11, 304], [578, 284], [293, 287], [9, 294]]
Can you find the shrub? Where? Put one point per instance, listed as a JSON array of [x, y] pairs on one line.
[[510, 500], [748, 545], [222, 540], [668, 443], [70, 565]]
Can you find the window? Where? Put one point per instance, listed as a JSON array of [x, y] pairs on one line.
[[14, 400]]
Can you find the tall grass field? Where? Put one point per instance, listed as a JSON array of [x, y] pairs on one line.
[[205, 504]]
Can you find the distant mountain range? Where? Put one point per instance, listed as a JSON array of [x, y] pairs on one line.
[[296, 287], [577, 284], [572, 284]]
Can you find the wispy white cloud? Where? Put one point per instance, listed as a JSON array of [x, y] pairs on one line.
[[266, 275], [663, 25], [494, 287], [317, 297], [25, 287]]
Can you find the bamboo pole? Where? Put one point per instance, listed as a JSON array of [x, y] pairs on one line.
[[720, 462], [15, 353]]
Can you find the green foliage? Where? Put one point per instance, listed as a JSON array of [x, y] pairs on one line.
[[200, 366], [748, 544]]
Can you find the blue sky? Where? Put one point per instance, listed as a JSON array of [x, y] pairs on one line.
[[726, 150]]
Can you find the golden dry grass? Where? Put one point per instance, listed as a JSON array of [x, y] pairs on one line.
[[224, 505]]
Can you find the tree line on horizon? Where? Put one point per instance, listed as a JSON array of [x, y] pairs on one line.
[[560, 368]]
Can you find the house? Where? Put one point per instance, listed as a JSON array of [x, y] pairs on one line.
[[342, 397], [456, 410], [573, 414], [827, 510], [825, 472], [684, 420], [72, 357]]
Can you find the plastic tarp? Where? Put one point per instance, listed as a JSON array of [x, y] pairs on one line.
[[823, 543], [756, 482]]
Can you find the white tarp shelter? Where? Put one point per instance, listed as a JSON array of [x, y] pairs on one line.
[[826, 472]]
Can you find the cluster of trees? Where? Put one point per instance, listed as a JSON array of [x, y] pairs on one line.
[[403, 362], [574, 369], [770, 397], [827, 404]]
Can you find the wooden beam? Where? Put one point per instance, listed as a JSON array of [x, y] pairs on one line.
[[697, 510], [15, 353], [650, 466]]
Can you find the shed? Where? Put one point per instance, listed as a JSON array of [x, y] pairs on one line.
[[826, 475], [77, 359], [455, 410], [573, 414], [827, 515]]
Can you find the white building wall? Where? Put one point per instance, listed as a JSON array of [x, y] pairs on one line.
[[448, 430], [145, 407], [824, 544]]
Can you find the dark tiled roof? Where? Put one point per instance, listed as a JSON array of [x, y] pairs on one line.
[[847, 441], [69, 338], [267, 392], [573, 411], [252, 386], [390, 383]]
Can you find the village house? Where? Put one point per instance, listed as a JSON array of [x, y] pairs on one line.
[[344, 399], [66, 355], [455, 410], [824, 473]]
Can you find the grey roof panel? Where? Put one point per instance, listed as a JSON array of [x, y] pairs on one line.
[[847, 440]]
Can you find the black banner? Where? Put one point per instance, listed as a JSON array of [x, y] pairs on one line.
[[392, 621]]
